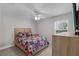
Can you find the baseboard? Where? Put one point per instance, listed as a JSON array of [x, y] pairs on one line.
[[6, 46]]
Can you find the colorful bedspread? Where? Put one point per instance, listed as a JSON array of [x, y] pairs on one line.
[[31, 42]]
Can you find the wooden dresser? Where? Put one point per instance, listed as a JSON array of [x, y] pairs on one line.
[[65, 44]]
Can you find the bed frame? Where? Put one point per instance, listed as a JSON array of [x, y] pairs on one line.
[[17, 30]]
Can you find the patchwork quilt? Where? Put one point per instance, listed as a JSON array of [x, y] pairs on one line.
[[31, 42]]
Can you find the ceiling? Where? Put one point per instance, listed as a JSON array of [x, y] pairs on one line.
[[29, 10], [49, 9]]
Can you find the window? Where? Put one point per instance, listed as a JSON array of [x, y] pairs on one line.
[[61, 26]]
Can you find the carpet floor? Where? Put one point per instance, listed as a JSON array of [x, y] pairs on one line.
[[14, 51]]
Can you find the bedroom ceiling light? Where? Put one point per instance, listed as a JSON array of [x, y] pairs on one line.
[[37, 17]]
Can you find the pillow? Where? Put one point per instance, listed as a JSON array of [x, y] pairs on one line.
[[28, 34]]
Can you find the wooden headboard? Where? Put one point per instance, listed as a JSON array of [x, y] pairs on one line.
[[17, 30]]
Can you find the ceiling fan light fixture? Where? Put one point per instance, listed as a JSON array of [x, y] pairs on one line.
[[37, 17]]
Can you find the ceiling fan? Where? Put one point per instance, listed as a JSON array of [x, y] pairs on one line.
[[40, 15]]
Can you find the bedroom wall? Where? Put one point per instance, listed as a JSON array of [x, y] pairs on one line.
[[13, 17], [47, 25], [1, 27]]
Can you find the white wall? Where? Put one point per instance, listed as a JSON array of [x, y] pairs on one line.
[[11, 17], [1, 27], [47, 25]]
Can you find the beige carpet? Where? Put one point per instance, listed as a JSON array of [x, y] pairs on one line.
[[14, 51]]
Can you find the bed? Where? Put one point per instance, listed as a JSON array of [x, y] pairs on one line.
[[28, 42]]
